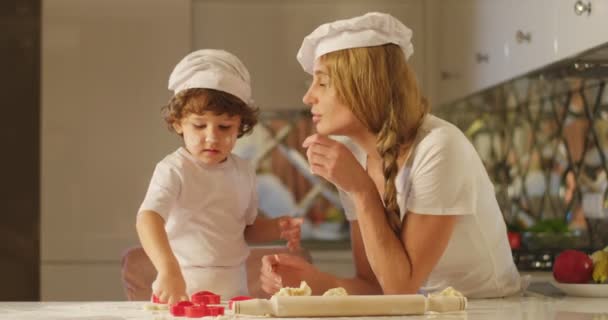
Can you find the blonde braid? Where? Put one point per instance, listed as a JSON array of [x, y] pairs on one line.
[[381, 91], [388, 146]]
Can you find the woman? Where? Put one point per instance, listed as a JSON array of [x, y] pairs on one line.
[[422, 208]]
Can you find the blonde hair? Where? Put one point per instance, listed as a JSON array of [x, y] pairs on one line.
[[382, 92]]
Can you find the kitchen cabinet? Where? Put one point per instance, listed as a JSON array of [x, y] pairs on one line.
[[490, 37], [454, 49], [471, 44], [481, 43], [580, 25], [529, 36]]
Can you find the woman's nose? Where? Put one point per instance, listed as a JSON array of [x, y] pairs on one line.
[[308, 97]]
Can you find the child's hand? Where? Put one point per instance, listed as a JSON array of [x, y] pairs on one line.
[[170, 288], [289, 229]]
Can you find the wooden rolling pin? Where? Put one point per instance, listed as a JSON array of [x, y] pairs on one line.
[[334, 306]]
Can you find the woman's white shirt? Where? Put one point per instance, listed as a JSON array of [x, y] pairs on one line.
[[445, 176]]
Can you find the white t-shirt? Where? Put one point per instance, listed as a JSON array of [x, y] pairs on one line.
[[445, 176], [206, 209]]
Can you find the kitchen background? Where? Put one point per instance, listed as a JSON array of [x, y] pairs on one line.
[[83, 82]]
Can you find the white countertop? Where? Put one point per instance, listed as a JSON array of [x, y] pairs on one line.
[[514, 308]]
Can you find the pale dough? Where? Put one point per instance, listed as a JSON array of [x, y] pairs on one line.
[[449, 292], [339, 291], [303, 290]]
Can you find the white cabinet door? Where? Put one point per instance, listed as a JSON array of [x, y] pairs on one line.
[[489, 38], [579, 29], [530, 35], [455, 49], [482, 43]]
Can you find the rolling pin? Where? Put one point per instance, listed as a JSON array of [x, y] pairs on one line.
[[335, 306]]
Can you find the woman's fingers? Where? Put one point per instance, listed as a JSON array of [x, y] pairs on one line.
[[318, 139], [268, 285], [269, 279]]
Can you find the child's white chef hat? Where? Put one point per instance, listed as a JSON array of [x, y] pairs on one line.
[[371, 29], [212, 69]]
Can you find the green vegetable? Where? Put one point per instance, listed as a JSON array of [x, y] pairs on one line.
[[550, 225]]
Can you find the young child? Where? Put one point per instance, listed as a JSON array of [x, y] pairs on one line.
[[200, 210]]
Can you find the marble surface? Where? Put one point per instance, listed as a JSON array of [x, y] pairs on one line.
[[529, 306]]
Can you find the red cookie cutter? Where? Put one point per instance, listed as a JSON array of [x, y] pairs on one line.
[[215, 311], [205, 297], [238, 298], [196, 311], [179, 309]]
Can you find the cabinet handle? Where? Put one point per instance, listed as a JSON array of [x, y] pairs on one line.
[[521, 36], [445, 75], [580, 7], [482, 57]]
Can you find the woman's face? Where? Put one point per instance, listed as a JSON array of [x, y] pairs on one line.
[[209, 137], [329, 114]]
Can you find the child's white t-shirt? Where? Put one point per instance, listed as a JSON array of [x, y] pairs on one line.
[[445, 176], [206, 208]]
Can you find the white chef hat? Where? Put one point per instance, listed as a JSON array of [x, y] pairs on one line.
[[371, 29], [212, 69]]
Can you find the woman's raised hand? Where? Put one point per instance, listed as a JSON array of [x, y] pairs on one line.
[[333, 161]]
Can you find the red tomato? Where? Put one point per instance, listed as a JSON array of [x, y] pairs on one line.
[[573, 266], [514, 240]]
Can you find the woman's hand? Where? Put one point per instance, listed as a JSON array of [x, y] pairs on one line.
[[285, 270], [333, 161], [170, 287], [290, 230]]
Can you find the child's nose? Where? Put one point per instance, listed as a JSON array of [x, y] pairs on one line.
[[211, 135]]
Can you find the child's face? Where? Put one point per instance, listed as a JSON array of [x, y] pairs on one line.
[[208, 136]]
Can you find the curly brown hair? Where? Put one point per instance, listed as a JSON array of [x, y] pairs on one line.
[[199, 100]]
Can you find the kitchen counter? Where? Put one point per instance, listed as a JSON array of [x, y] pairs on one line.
[[514, 308]]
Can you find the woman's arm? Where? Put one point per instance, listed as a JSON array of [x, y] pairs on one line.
[[284, 270], [365, 281], [401, 263]]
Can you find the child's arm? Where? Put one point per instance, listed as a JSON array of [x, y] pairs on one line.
[[266, 230], [262, 230], [170, 285]]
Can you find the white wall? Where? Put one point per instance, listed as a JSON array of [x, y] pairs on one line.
[[105, 65], [266, 35]]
